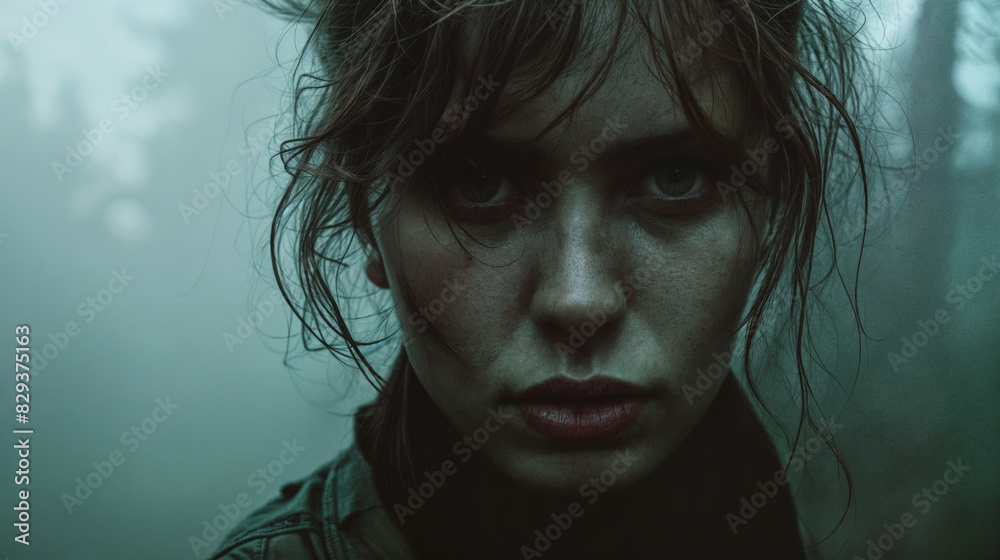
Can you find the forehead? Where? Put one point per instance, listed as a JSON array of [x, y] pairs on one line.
[[633, 93]]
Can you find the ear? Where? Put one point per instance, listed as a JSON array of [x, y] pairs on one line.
[[374, 268]]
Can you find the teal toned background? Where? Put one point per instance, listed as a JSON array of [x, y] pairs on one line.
[[215, 79]]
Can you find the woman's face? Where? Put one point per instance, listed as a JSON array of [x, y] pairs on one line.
[[584, 318]]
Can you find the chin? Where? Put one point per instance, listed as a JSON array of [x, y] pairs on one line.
[[580, 472]]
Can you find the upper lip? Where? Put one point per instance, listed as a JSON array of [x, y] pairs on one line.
[[568, 388]]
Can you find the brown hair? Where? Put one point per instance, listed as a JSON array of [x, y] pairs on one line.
[[381, 74]]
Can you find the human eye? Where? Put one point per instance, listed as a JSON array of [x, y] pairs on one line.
[[481, 192], [675, 186]]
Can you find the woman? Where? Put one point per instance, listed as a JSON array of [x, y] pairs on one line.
[[575, 208]]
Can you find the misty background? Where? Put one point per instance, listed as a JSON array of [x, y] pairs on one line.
[[162, 276]]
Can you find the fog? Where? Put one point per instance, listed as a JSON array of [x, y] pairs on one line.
[[154, 268]]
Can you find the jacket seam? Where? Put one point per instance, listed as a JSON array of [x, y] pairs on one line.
[[262, 548], [280, 526]]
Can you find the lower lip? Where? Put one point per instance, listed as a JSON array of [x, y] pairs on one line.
[[580, 420]]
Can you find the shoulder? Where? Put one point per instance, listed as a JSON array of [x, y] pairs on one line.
[[289, 526], [327, 515]]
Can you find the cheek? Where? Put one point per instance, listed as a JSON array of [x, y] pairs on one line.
[[700, 290], [469, 304], [453, 292], [709, 288]]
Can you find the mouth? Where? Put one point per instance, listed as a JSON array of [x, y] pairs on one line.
[[569, 410]]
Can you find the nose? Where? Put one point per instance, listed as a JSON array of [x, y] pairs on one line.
[[580, 272]]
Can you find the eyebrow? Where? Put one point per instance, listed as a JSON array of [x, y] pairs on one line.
[[615, 150]]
